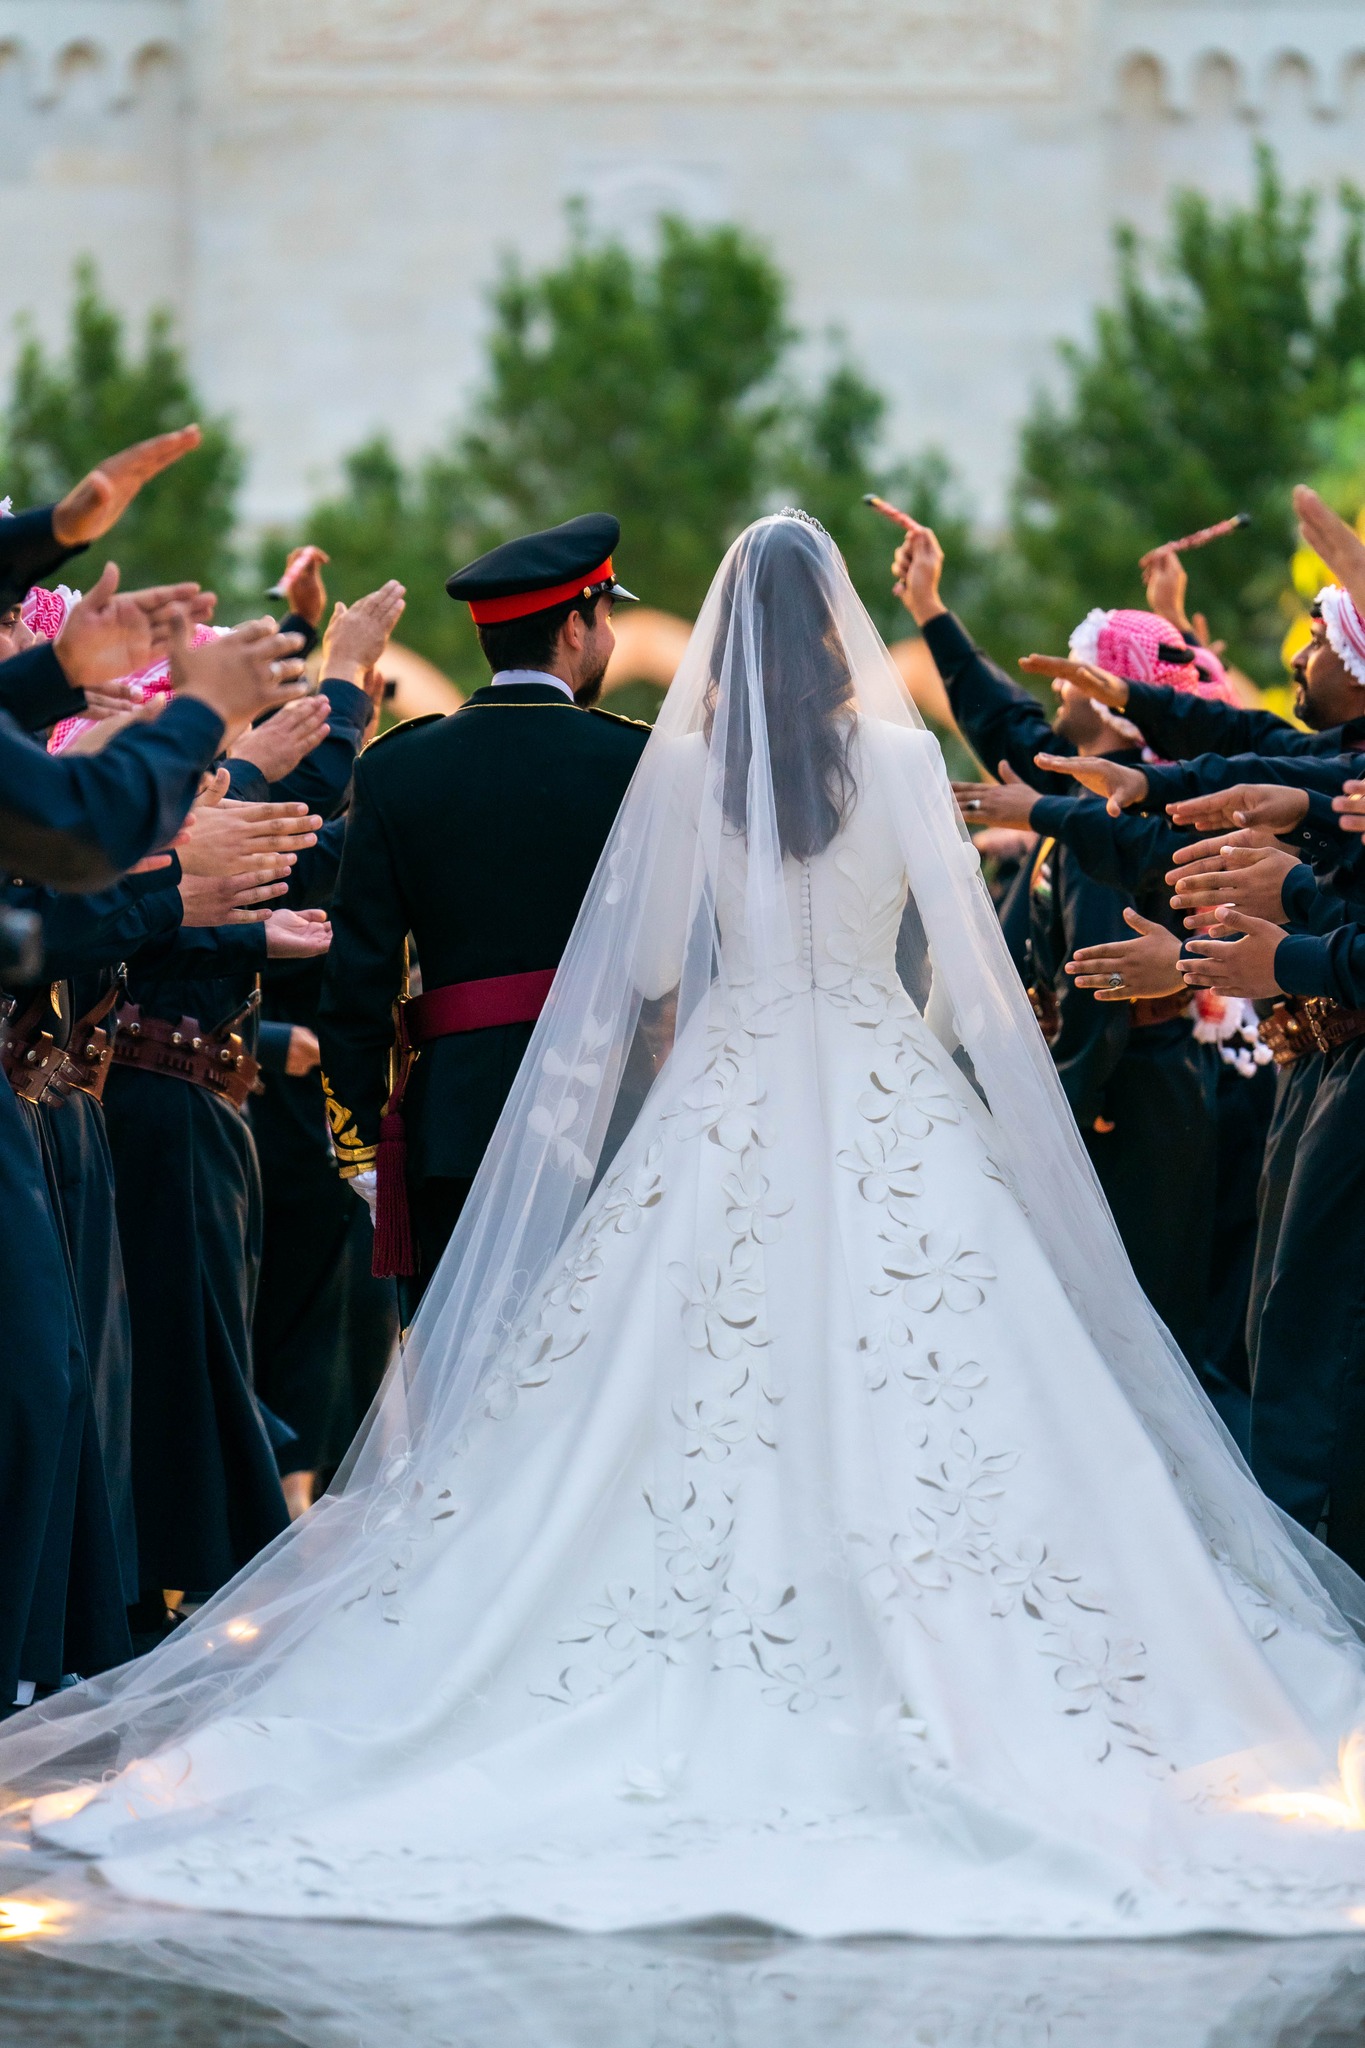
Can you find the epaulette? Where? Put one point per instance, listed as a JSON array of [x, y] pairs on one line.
[[617, 718], [406, 725]]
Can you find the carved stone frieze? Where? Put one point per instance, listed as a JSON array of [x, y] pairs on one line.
[[702, 48]]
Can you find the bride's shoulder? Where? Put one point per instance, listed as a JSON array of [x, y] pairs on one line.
[[894, 733]]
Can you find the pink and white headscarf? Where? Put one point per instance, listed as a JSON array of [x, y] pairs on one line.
[[1130, 644], [1345, 628], [44, 613]]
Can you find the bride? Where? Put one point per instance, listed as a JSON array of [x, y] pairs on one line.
[[786, 1505]]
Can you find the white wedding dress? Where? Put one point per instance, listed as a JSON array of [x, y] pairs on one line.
[[808, 1545]]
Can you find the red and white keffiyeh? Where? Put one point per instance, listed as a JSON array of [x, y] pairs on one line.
[[1345, 628], [1138, 646], [44, 613]]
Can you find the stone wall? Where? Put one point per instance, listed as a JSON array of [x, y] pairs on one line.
[[322, 188]]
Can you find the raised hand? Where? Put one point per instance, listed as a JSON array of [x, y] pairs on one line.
[[916, 568], [302, 584], [1334, 541], [1007, 802], [278, 745], [1249, 877], [100, 499], [1091, 681], [233, 899], [1165, 581], [1117, 783], [240, 674], [358, 634], [297, 934], [1275, 805], [1122, 970], [105, 636], [231, 839], [1241, 966]]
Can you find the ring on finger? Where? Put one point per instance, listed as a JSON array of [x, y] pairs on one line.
[[1116, 981]]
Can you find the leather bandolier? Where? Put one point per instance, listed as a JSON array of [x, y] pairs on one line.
[[37, 1068], [1307, 1024], [216, 1060]]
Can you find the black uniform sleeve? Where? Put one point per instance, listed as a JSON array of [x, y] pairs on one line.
[[29, 551], [34, 689], [313, 879], [1000, 720], [1169, 782], [1093, 1036], [1180, 724], [84, 933], [1305, 903], [363, 978], [272, 1044], [1129, 852], [323, 777], [79, 821], [203, 953], [1330, 965]]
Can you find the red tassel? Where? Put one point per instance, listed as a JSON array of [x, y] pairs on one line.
[[393, 1248]]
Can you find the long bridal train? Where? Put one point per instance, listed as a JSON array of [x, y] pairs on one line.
[[799, 1515]]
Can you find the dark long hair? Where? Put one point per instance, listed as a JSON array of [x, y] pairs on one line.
[[786, 565]]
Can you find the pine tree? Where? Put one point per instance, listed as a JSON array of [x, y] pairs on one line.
[[64, 414], [1196, 398]]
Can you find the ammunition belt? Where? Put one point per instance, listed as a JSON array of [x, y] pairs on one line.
[[206, 1059], [38, 1069], [1145, 1011], [1306, 1024]]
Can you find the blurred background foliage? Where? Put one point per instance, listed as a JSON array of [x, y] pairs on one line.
[[673, 387], [66, 412]]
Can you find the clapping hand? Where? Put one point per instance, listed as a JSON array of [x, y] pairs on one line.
[[100, 499], [277, 746], [1117, 783], [239, 840], [233, 899], [358, 634], [109, 634], [1125, 969], [1249, 875], [253, 669], [1241, 966]]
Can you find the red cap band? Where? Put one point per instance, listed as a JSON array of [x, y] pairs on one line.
[[492, 611]]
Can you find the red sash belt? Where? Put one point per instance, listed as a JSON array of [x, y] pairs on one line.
[[437, 1013], [475, 1005]]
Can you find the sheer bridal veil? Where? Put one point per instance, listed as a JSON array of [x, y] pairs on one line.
[[785, 697]]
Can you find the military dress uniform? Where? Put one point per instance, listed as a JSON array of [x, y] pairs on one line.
[[477, 835]]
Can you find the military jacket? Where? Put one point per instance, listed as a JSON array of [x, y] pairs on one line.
[[477, 834]]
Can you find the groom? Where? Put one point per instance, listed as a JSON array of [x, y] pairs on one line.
[[476, 834]]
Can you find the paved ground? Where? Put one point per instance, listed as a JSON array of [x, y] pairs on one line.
[[50, 2004]]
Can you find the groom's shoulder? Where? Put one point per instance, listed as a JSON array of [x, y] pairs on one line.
[[625, 732]]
